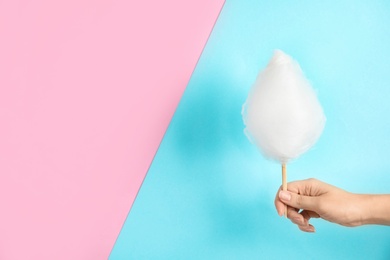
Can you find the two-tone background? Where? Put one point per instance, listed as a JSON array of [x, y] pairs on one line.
[[89, 106]]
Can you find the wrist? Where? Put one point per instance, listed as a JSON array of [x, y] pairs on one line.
[[375, 209]]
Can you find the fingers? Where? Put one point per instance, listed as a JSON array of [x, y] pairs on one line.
[[298, 201], [307, 215], [308, 187], [309, 228], [302, 195], [279, 204], [302, 219], [295, 217], [295, 201]]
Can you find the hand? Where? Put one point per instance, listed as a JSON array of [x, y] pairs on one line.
[[317, 199]]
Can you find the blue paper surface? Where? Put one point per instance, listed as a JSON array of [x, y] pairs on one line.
[[209, 193]]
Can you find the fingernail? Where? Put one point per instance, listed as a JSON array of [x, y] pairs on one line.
[[284, 195]]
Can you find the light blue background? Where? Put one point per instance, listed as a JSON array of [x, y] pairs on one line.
[[209, 193]]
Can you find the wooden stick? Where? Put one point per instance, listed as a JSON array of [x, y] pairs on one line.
[[284, 184]]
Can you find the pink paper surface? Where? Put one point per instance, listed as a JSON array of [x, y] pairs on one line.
[[87, 90]]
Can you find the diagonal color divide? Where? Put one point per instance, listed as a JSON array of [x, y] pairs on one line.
[[87, 89], [209, 194]]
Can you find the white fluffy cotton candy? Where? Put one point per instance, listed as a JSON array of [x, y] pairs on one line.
[[282, 114]]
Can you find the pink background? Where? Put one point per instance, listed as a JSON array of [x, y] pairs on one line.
[[87, 89]]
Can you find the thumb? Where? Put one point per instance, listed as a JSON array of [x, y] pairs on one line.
[[298, 201]]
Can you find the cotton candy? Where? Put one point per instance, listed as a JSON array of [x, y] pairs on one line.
[[282, 114]]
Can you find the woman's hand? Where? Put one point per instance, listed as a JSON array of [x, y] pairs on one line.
[[315, 199]]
